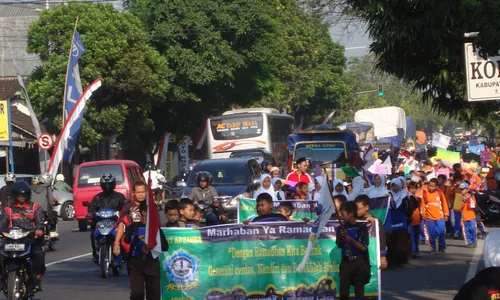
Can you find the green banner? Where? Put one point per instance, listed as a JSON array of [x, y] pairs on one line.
[[257, 262], [247, 209]]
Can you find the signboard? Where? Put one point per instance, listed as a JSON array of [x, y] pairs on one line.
[[483, 76], [184, 151], [45, 141], [320, 145], [231, 127], [257, 262], [440, 140], [4, 120]]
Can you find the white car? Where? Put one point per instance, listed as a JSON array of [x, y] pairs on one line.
[[65, 210]]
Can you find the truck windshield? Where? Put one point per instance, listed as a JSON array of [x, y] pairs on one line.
[[321, 155]]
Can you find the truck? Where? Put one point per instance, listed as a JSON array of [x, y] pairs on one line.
[[325, 144]]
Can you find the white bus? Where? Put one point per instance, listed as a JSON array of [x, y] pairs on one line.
[[250, 129]]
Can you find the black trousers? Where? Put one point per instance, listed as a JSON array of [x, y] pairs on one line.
[[353, 272], [52, 220], [37, 258], [144, 272], [92, 239]]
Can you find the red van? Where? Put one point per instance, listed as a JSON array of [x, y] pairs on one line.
[[87, 183]]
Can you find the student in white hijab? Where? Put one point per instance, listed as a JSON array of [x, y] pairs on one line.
[[266, 186], [358, 185], [316, 193], [277, 184], [399, 241], [378, 189], [339, 188]]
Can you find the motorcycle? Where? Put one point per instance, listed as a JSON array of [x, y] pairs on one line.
[[48, 241], [488, 203], [16, 263], [105, 233]]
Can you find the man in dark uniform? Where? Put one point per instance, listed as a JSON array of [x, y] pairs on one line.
[[108, 198], [353, 240], [28, 216]]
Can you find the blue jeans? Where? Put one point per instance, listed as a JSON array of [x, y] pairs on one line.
[[415, 239], [437, 228], [211, 218], [470, 235], [458, 222]]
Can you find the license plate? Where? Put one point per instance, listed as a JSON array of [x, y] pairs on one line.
[[14, 247]]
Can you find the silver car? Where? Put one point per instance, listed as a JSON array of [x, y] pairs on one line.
[[65, 209]]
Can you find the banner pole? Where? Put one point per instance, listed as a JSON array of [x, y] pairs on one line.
[[11, 153]]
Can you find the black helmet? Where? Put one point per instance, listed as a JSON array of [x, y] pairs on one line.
[[108, 182], [151, 167], [21, 188], [204, 176], [264, 164]]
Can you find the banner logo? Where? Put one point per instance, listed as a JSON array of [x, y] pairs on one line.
[[182, 270]]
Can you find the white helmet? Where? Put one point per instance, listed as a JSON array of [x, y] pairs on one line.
[[10, 177], [46, 178], [59, 177]]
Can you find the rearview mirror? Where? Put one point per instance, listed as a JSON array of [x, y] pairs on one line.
[[86, 203], [181, 184]]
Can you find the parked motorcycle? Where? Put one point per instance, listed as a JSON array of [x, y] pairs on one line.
[[105, 233], [16, 263]]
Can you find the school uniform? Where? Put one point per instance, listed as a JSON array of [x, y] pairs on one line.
[[457, 212], [416, 220], [469, 220], [355, 264], [434, 210]]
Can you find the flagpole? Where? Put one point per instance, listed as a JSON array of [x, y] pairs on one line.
[[66, 83]]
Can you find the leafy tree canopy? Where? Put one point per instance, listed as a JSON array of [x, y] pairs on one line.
[[421, 42], [135, 77]]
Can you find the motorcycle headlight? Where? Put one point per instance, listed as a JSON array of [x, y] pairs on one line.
[[105, 227], [234, 201], [106, 214], [16, 234]]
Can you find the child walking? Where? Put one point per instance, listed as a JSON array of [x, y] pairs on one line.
[[355, 265], [435, 212], [468, 216]]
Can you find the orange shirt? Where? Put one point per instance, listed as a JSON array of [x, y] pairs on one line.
[[434, 206], [468, 211], [476, 182], [417, 213]]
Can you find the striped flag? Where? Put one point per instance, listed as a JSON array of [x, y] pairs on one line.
[[153, 223]]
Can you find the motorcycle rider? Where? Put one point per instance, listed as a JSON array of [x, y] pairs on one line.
[[60, 185], [108, 198], [27, 215], [41, 188], [6, 191], [156, 181], [206, 193]]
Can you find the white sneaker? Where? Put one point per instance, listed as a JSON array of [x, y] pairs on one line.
[[54, 235]]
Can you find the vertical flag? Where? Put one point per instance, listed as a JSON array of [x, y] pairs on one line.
[[34, 120], [152, 224], [72, 92]]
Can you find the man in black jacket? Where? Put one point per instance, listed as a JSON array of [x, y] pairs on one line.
[[108, 198]]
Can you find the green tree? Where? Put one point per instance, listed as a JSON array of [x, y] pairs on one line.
[[135, 77], [244, 52], [421, 42]]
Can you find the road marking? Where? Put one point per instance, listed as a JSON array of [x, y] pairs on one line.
[[475, 261], [67, 259]]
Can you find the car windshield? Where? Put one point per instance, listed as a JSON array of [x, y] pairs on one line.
[[223, 174], [91, 175], [321, 155], [258, 156]]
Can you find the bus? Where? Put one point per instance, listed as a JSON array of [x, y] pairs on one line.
[[250, 129]]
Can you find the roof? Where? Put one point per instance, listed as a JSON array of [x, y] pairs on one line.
[[108, 162], [225, 161], [9, 86], [24, 9]]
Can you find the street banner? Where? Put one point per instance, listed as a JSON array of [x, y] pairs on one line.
[[448, 157], [247, 209], [257, 261], [161, 162], [4, 120]]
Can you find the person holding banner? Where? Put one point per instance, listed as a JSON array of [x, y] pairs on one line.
[[353, 241]]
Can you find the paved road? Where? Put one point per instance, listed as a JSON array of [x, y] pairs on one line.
[[430, 277]]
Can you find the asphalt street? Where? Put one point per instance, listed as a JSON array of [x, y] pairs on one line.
[[72, 275]]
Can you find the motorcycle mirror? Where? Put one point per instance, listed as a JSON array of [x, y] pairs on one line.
[[181, 184], [86, 203]]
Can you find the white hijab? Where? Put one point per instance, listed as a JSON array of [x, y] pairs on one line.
[[337, 182], [401, 194], [261, 189], [317, 193], [378, 191], [358, 185]]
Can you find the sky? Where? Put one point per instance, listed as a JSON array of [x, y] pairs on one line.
[[354, 38]]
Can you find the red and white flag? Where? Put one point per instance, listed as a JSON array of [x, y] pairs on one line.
[[152, 238]]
